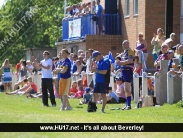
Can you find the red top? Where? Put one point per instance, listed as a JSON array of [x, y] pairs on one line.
[[18, 66], [74, 90], [139, 70], [85, 82], [34, 87]]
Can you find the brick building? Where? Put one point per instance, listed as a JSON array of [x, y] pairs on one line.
[[137, 16]]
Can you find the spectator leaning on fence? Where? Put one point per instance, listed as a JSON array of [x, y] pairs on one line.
[[47, 82], [163, 56]]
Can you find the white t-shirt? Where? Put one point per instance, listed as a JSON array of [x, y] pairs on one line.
[[88, 65], [46, 73]]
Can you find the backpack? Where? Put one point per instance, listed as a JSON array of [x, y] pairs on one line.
[[91, 106]]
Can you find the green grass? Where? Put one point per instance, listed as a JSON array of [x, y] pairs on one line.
[[19, 109]]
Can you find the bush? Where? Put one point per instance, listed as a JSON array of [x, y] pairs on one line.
[[179, 104]]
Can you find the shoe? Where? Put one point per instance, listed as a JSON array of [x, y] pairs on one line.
[[102, 111], [80, 103], [45, 105], [53, 105], [126, 108], [68, 108], [62, 109]]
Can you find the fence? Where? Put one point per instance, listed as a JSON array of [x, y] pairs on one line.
[[79, 27]]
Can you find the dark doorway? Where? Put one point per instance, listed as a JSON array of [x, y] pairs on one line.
[[169, 17], [111, 7]]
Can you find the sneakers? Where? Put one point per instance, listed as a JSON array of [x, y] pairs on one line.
[[102, 111], [126, 108], [80, 103], [53, 105], [64, 109]]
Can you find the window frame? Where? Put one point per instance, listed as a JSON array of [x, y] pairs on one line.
[[135, 8], [127, 8]]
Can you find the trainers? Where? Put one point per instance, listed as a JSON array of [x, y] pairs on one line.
[[126, 108], [62, 109], [45, 105], [53, 105], [102, 111], [80, 103]]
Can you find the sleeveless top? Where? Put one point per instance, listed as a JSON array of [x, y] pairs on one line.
[[157, 44], [140, 46], [7, 72]]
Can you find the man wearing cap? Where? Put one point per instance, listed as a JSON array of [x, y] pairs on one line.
[[102, 78], [47, 82], [127, 72]]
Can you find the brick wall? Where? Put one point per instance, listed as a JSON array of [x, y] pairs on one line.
[[105, 43]]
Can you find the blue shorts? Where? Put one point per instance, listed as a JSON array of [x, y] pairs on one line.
[[101, 87], [127, 75]]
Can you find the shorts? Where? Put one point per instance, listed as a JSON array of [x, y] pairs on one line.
[[101, 87], [32, 92], [127, 75], [64, 86]]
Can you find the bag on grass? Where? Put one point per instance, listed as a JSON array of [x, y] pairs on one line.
[[91, 106]]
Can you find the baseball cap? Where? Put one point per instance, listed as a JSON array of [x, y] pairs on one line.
[[95, 53], [170, 51], [87, 90]]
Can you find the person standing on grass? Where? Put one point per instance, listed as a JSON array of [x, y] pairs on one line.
[[7, 78], [47, 78], [65, 79], [102, 78], [127, 71]]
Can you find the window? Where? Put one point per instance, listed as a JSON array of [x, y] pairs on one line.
[[135, 7], [127, 8], [181, 8]]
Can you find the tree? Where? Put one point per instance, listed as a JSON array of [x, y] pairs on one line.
[[29, 24]]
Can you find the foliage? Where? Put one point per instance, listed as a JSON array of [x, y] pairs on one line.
[[29, 24], [179, 104]]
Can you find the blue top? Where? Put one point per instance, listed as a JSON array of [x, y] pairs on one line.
[[6, 69], [98, 10], [87, 97], [66, 64], [102, 65], [74, 67], [128, 54], [114, 95], [116, 67]]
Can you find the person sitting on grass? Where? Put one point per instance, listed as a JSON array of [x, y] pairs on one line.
[[80, 92], [29, 88], [112, 97], [73, 89], [21, 83], [120, 90], [87, 96]]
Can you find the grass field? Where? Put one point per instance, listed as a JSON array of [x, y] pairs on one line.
[[19, 109]]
